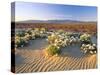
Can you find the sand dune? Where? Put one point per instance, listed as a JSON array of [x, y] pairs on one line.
[[36, 61]]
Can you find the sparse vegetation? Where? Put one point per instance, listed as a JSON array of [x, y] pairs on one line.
[[57, 38], [89, 48], [85, 38], [52, 50], [89, 27], [57, 44]]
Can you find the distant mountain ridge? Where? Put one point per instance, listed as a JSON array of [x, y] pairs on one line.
[[51, 21]]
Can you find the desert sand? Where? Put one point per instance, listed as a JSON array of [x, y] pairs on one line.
[[37, 61]]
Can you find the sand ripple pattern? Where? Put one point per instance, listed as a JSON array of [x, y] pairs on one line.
[[36, 61]]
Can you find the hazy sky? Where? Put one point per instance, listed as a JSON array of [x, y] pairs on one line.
[[40, 11]]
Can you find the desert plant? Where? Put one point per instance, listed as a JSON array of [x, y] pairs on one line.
[[85, 38], [52, 50], [51, 39], [29, 31], [19, 41], [42, 30], [89, 48], [20, 34], [36, 29], [33, 35]]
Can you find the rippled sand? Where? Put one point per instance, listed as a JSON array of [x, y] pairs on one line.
[[36, 61]]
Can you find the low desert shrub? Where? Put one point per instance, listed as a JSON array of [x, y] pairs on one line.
[[52, 50], [85, 38], [89, 48]]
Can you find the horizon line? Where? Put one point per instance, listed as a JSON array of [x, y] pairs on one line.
[[55, 19]]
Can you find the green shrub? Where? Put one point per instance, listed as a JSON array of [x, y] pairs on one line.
[[52, 38], [85, 38], [29, 32], [20, 42], [52, 50], [20, 34], [89, 48], [42, 30]]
